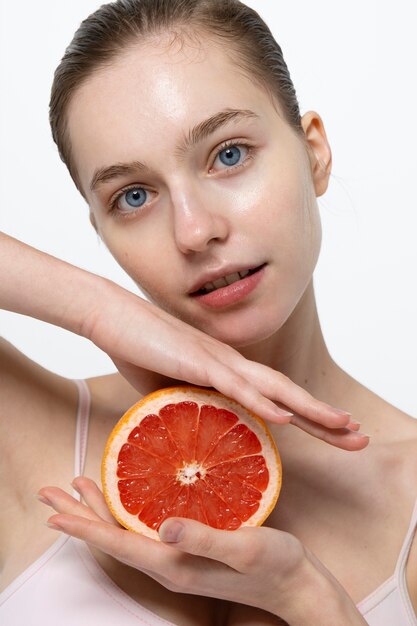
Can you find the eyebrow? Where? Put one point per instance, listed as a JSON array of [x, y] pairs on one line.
[[195, 135]]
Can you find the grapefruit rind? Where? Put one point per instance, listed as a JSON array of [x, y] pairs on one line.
[[151, 404]]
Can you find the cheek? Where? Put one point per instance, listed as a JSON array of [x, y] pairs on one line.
[[283, 209], [142, 257]]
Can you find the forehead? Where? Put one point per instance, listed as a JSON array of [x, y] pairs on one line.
[[148, 98]]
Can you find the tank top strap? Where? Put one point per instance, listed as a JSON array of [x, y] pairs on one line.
[[81, 431], [405, 549]]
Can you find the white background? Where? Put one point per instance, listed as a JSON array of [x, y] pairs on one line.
[[354, 63]]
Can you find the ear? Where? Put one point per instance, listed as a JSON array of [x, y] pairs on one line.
[[319, 151]]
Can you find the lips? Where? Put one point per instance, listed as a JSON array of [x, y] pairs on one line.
[[212, 284]]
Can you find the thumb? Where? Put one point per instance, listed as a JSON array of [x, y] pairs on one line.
[[200, 539], [171, 531]]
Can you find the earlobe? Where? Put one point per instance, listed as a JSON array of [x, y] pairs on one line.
[[319, 151]]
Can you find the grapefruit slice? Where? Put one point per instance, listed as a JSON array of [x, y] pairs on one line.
[[190, 452]]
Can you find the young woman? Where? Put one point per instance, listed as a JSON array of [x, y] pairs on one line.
[[179, 124]]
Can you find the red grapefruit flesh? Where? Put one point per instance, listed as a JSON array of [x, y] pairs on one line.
[[190, 452]]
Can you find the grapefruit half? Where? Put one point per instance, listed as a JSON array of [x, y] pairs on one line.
[[190, 452]]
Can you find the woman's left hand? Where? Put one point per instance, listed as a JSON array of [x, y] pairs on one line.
[[257, 566]]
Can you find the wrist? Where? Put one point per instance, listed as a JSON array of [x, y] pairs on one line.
[[108, 313], [96, 298], [81, 300], [316, 597]]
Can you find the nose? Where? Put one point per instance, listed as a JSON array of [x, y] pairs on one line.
[[198, 223]]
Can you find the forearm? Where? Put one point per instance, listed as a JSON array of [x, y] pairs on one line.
[[39, 285], [323, 607], [320, 600]]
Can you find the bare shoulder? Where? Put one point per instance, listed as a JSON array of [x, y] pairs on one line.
[[398, 464], [27, 389], [37, 433], [37, 416], [403, 448], [408, 456], [411, 573]]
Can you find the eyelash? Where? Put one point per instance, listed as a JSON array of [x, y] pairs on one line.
[[234, 143], [113, 210]]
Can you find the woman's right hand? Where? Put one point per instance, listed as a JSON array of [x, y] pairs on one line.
[[153, 349]]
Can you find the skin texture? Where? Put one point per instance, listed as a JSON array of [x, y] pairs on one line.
[[200, 217], [201, 214], [214, 563]]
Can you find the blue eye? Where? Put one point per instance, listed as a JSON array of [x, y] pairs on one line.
[[230, 155], [135, 197], [132, 199]]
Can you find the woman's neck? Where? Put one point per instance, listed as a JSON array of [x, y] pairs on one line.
[[298, 351]]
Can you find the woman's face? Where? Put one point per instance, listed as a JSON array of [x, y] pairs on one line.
[[174, 205]]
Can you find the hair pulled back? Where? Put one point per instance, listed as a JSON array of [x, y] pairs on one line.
[[115, 26]]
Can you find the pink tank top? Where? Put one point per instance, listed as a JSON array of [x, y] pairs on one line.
[[66, 586]]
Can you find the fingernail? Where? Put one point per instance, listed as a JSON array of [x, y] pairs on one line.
[[171, 532], [42, 499], [53, 526], [354, 425]]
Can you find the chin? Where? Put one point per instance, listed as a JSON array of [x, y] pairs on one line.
[[244, 333], [236, 328], [243, 340]]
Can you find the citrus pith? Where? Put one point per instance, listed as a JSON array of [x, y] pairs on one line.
[[190, 452]]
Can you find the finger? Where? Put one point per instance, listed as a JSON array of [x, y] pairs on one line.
[[62, 502], [94, 498], [177, 571], [282, 389], [235, 386], [129, 547], [199, 539], [339, 437]]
